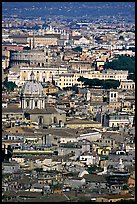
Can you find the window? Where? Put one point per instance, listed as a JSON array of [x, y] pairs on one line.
[[40, 120], [115, 95], [36, 103], [27, 103]]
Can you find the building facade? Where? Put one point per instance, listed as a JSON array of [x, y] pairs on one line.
[[127, 85], [41, 57]]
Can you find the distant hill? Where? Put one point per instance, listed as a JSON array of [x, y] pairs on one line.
[[68, 9]]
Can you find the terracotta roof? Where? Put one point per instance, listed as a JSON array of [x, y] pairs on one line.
[[47, 110], [95, 178], [19, 130], [80, 121], [75, 37], [119, 196], [12, 110]]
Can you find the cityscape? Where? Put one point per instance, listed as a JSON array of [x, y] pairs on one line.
[[68, 101]]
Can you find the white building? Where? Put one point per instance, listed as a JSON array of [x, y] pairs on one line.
[[87, 159], [41, 74], [4, 104], [121, 120], [92, 136], [112, 96], [127, 84], [10, 167]]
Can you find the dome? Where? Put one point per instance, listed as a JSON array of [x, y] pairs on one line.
[[32, 88]]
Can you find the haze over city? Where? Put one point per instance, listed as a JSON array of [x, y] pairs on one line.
[[68, 101]]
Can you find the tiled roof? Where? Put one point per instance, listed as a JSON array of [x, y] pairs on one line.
[[12, 110], [80, 121], [47, 110]]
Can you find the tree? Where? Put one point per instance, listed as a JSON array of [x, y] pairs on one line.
[[121, 37], [92, 169], [131, 76], [124, 200], [106, 84], [125, 187], [39, 169], [122, 63], [9, 85], [75, 88], [77, 49]]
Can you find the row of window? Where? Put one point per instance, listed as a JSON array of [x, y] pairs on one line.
[[35, 103], [37, 72], [67, 80], [128, 86], [70, 84], [68, 76], [113, 95], [114, 124]]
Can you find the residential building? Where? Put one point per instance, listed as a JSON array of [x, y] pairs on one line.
[[120, 120], [127, 85], [10, 167]]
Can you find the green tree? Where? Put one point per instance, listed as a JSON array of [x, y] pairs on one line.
[[92, 169], [122, 63], [9, 85], [77, 49], [106, 84]]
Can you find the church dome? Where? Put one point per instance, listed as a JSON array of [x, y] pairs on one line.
[[32, 88]]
